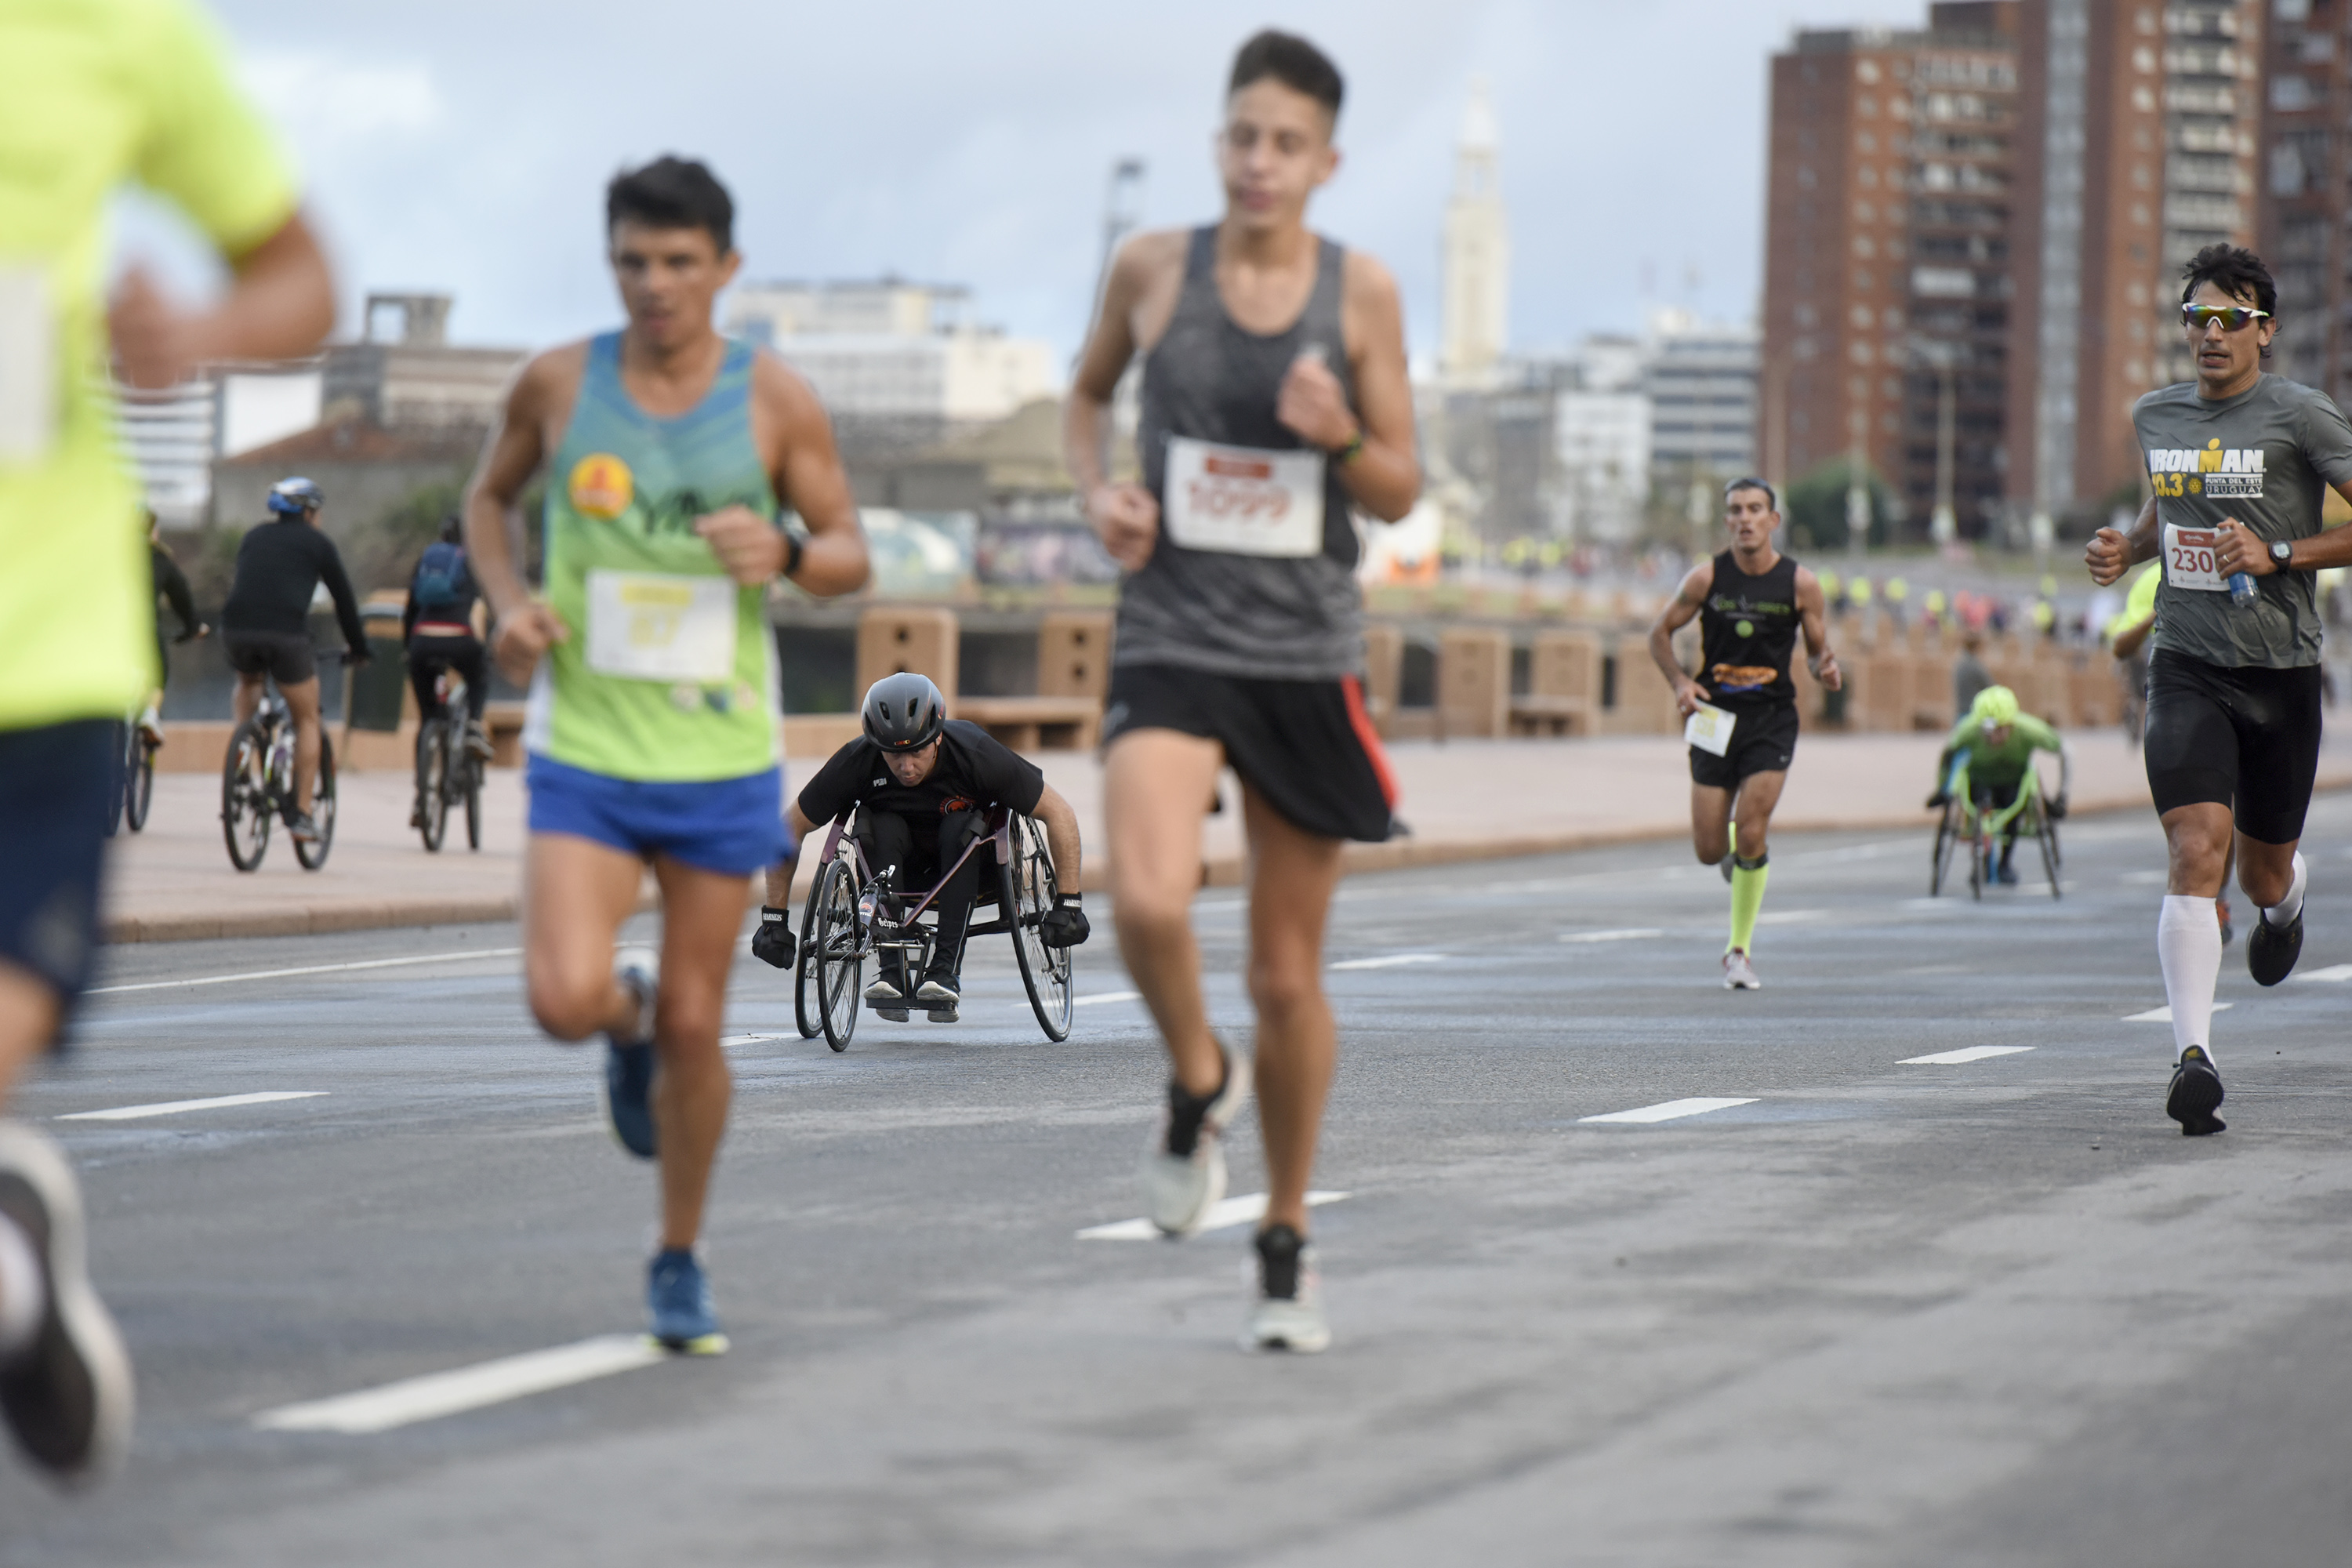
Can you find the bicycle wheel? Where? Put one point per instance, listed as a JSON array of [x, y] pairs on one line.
[[245, 796], [1028, 893], [1948, 838], [323, 811], [2048, 830], [432, 783], [473, 777], [138, 780], [1980, 844], [838, 961]]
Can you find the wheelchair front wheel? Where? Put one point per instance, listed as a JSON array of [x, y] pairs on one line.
[[833, 934], [2048, 832], [1028, 893]]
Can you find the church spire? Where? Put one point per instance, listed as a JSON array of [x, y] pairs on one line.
[[1477, 261]]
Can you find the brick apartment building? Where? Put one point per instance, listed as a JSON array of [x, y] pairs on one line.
[[2138, 124], [1886, 256], [2304, 176]]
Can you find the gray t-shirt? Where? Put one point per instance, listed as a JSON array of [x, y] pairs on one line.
[[2261, 459]]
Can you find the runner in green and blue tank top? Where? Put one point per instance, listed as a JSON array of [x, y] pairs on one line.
[[653, 731]]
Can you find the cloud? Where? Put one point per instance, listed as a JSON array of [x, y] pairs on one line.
[[328, 103]]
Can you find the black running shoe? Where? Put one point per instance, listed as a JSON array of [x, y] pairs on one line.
[[2271, 950], [67, 1395], [940, 988], [2196, 1093]]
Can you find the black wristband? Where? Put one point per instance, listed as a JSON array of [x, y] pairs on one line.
[[794, 550]]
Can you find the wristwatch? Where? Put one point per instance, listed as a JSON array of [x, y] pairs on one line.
[[2282, 551]]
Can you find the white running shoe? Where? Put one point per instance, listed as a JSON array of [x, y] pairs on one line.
[[67, 1396], [1739, 974], [1179, 1189], [1292, 1323]]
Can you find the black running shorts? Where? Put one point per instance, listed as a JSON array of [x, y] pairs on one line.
[[54, 809], [1763, 740], [285, 659], [1306, 746], [2246, 738]]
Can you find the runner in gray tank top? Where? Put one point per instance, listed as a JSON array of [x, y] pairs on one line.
[[1275, 404]]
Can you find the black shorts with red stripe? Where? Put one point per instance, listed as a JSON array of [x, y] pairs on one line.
[[1306, 746]]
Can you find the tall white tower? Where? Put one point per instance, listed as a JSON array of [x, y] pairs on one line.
[[1477, 264]]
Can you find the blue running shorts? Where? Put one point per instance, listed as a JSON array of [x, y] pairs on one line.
[[54, 784], [732, 826]]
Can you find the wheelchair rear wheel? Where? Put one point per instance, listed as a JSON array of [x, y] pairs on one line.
[[1948, 835], [2048, 832], [832, 932], [1028, 893]]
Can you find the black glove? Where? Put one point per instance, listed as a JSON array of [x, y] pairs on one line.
[[1937, 799], [773, 942], [2058, 809], [1064, 925]]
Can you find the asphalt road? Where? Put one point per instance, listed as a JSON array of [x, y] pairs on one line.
[[1995, 1311]]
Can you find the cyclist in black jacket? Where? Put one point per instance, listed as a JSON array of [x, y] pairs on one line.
[[171, 587], [265, 625]]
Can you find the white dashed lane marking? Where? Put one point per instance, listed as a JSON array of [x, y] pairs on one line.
[[2333, 974], [1965, 1054], [1630, 933], [1107, 996], [2164, 1015], [439, 1394], [175, 1107], [1222, 1216], [1669, 1110], [308, 969], [1391, 960]]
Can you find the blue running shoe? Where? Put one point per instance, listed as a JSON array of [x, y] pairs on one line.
[[677, 1302], [629, 1064]]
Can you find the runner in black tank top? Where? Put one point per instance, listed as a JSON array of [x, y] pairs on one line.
[[1752, 601], [1275, 404]]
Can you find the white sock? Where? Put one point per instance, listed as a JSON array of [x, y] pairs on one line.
[[23, 1298], [2281, 914], [2188, 944]]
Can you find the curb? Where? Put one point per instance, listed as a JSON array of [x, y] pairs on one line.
[[1216, 871]]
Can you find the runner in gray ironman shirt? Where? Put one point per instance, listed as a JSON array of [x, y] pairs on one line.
[[2261, 457], [1258, 617]]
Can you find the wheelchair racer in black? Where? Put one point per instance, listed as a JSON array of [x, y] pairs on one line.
[[923, 785]]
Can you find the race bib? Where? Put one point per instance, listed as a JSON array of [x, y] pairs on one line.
[[2188, 558], [1239, 500], [28, 366], [1709, 729], [648, 625]]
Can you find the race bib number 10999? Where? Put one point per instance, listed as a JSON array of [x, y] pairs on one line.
[[1240, 501]]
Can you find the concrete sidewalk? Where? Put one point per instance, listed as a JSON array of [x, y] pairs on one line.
[[1464, 800]]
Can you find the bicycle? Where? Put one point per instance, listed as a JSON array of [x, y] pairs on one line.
[[1965, 821], [853, 913], [448, 770], [137, 775], [257, 785]]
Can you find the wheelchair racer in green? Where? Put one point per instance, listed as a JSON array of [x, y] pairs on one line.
[[1989, 754]]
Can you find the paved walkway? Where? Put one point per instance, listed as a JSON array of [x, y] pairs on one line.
[[1468, 800]]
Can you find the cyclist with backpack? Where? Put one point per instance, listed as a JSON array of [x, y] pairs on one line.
[[438, 629]]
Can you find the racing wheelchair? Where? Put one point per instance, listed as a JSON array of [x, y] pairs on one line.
[[853, 913], [1980, 827]]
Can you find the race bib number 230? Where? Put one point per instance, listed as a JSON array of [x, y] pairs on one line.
[[2189, 561], [1241, 501]]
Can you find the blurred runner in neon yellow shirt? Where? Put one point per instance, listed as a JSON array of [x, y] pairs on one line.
[[95, 94]]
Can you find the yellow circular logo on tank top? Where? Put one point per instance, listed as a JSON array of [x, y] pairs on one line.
[[602, 485]]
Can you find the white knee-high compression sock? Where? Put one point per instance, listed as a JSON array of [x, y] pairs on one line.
[[22, 1300], [2188, 944], [2281, 914]]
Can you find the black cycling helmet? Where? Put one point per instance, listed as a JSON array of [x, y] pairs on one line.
[[903, 712]]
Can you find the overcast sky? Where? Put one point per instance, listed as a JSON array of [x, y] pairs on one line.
[[461, 145]]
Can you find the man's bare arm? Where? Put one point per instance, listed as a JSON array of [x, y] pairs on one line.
[[1061, 836], [1125, 516], [1677, 615], [521, 628], [1813, 615], [1385, 476], [2110, 554], [281, 303], [810, 476]]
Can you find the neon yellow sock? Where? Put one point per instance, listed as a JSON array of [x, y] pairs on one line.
[[1747, 901]]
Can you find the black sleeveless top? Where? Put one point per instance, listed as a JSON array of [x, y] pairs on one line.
[[1209, 379], [1747, 630]]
